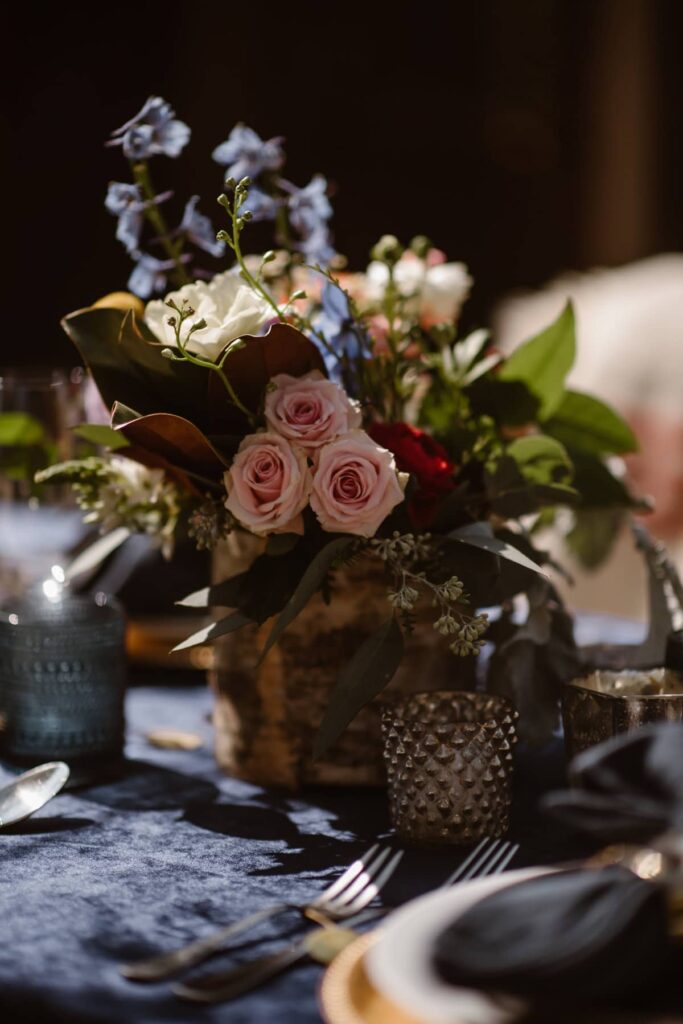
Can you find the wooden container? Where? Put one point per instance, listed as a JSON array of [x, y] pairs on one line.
[[266, 716]]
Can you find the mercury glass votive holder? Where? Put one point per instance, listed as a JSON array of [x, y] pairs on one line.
[[448, 756]]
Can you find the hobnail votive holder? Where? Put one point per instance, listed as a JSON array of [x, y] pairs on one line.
[[448, 756]]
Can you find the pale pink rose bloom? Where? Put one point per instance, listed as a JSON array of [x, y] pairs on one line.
[[311, 410], [268, 485], [355, 485]]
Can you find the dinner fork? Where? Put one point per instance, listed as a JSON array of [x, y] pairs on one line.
[[490, 857], [349, 894]]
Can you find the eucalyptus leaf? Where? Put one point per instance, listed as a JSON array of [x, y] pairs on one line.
[[311, 581], [543, 362], [97, 552], [369, 671], [480, 535], [101, 434], [225, 594], [585, 424], [236, 620]]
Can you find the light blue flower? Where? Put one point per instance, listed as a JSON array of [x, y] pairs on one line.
[[309, 207], [261, 205], [154, 129], [199, 230], [125, 202], [317, 248], [245, 154], [149, 274], [309, 212], [344, 338]]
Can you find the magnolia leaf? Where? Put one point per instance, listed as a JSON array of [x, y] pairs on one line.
[[369, 671], [176, 441], [121, 414], [236, 620], [225, 594], [96, 553], [283, 349], [101, 434], [19, 429], [543, 362], [585, 424], [480, 535], [311, 581], [127, 368]]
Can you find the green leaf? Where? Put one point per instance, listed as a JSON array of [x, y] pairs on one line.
[[101, 434], [585, 424], [523, 500], [594, 533], [543, 362], [369, 671], [19, 429], [236, 620], [598, 487], [480, 535], [311, 581], [541, 460]]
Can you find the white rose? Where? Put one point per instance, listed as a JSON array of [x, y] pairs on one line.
[[230, 308], [444, 290]]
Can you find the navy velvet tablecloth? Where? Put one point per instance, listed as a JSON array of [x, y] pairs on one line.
[[174, 849]]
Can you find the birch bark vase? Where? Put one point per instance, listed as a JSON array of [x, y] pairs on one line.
[[266, 716]]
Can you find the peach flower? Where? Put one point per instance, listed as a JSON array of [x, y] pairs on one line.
[[268, 485], [355, 485], [310, 410]]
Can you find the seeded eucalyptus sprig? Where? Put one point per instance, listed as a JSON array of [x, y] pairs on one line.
[[403, 554]]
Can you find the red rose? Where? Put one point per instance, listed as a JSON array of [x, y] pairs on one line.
[[425, 459]]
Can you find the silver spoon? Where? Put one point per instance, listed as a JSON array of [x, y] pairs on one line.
[[21, 797]]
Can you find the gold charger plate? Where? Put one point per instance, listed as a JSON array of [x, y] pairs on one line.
[[348, 997]]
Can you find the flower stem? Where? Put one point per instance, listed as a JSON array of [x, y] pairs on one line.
[[173, 247]]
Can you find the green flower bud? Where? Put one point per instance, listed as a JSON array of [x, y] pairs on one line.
[[230, 183], [420, 245], [268, 257], [168, 353], [223, 201], [388, 250]]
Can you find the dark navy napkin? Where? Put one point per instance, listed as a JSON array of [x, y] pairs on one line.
[[597, 935], [628, 789]]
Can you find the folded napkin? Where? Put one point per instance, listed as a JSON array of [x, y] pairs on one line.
[[628, 789], [566, 936]]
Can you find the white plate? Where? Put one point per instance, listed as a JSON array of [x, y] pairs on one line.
[[400, 964]]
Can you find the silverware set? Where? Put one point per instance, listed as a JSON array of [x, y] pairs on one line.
[[347, 902]]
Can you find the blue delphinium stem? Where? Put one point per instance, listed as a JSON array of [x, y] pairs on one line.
[[173, 246]]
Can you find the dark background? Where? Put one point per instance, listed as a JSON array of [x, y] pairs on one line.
[[524, 137]]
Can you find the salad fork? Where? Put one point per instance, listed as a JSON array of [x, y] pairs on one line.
[[349, 894], [490, 857]]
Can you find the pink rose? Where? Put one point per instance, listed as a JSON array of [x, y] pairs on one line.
[[355, 485], [268, 485], [310, 410]]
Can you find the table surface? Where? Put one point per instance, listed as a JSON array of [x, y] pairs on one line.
[[172, 850]]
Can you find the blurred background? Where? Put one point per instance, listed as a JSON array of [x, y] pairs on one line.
[[535, 140]]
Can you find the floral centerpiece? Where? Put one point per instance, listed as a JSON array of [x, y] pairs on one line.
[[326, 430]]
